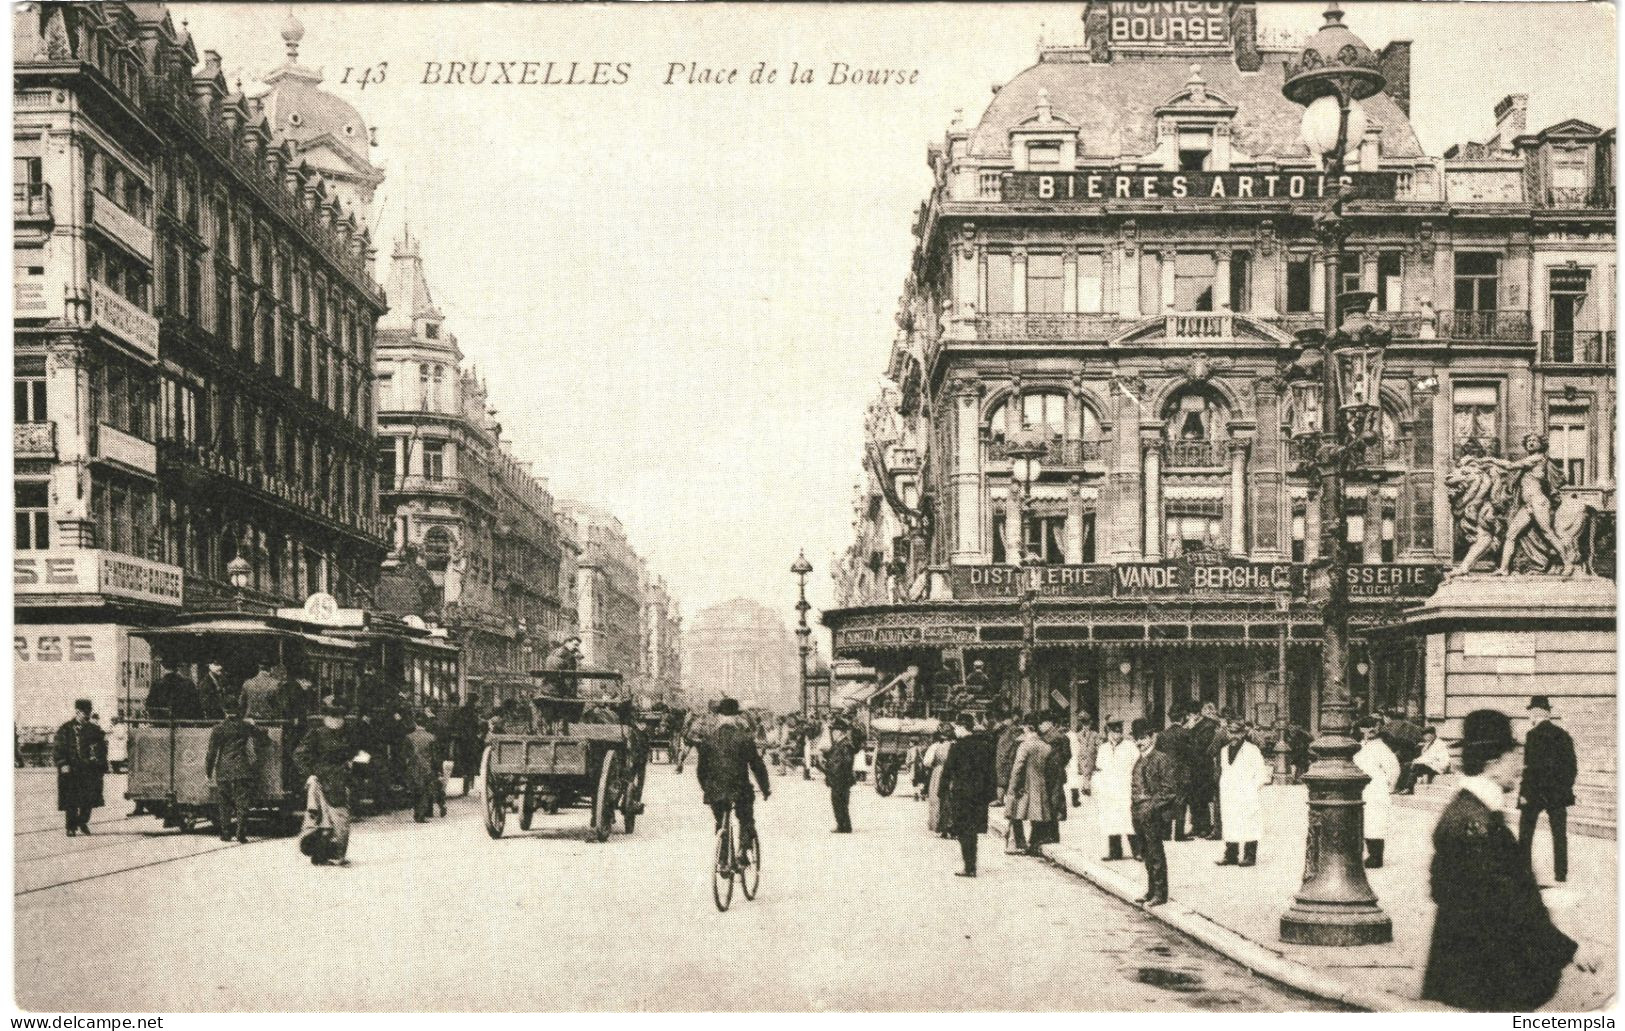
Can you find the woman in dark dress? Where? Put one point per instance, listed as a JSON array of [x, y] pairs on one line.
[[1494, 946]]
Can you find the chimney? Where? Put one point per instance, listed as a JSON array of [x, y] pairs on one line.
[[1395, 62], [1511, 119]]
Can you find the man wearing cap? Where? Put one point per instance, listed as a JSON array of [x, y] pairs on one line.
[[80, 755], [231, 763], [838, 774], [1549, 770], [1494, 947], [1376, 760], [1242, 775], [1155, 797], [727, 760], [566, 658], [326, 754]]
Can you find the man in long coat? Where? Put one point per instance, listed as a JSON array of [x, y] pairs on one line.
[[1007, 741], [1174, 741], [1376, 760], [1549, 770], [1494, 947], [263, 694], [80, 755], [969, 787], [838, 774], [1081, 769], [1202, 769], [232, 763], [726, 762], [1112, 787], [1155, 796], [1242, 775], [1055, 776], [1026, 796]]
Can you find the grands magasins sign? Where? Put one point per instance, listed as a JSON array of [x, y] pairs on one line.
[[1178, 187]]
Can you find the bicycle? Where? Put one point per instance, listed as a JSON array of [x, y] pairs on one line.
[[726, 868]]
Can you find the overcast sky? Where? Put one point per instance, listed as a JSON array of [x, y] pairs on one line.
[[682, 296]]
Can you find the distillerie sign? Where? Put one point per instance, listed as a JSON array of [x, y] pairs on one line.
[[1188, 22], [1130, 580], [1191, 187]]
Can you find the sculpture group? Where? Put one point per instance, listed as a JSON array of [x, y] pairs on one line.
[[1518, 508]]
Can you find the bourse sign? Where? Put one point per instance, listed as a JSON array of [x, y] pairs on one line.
[[1190, 21]]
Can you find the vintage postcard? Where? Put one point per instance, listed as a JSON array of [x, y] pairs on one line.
[[862, 507]]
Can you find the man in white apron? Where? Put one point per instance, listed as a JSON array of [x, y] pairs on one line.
[[1242, 775], [1111, 789], [1377, 761]]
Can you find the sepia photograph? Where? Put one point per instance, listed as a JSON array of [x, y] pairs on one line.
[[814, 508]]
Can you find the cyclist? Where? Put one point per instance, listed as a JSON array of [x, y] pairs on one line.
[[727, 760]]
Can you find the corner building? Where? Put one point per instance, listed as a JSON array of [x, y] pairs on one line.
[[1116, 257]]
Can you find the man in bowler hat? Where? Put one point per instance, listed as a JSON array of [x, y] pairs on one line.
[[80, 755], [1549, 769], [1156, 799], [1494, 947], [838, 774]]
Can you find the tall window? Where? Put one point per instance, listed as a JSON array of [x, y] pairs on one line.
[[1150, 283], [1193, 526], [1299, 284], [1043, 282], [1300, 528], [1476, 416], [1478, 278], [434, 459], [1000, 293], [1349, 273], [1193, 282], [1046, 538], [1568, 440], [1568, 312], [1355, 522], [33, 499], [1390, 280], [28, 395], [1241, 281], [1091, 288], [1569, 177]]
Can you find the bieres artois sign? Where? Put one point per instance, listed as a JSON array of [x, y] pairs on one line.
[[1187, 187], [1188, 22]]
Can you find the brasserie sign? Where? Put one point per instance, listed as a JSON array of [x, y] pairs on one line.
[[1187, 187]]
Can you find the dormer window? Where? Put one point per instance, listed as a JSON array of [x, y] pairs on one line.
[[1044, 155], [431, 331], [1195, 150]]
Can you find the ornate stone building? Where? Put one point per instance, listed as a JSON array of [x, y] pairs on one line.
[[463, 505], [1114, 260], [194, 329], [609, 592], [661, 675], [743, 650]]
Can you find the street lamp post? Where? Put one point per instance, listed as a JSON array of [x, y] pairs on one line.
[[801, 568], [1026, 465], [1282, 747], [238, 571], [1335, 905]]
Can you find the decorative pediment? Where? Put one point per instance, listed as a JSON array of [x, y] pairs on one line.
[[1216, 328], [1196, 98], [1572, 128]]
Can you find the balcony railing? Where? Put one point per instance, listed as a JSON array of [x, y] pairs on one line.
[[30, 201], [1577, 347], [1379, 454], [1058, 453], [425, 485], [1045, 326], [33, 440], [1193, 454], [1507, 324], [1404, 325]]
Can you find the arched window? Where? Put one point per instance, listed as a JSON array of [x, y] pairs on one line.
[[1195, 413], [437, 548], [1044, 412]]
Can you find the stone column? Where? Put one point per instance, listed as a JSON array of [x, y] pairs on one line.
[[1152, 450], [1167, 286], [1123, 479], [1271, 516], [1074, 521], [1266, 272], [969, 548], [1238, 497], [1221, 281], [67, 400], [1418, 487], [1369, 265], [1018, 286], [1015, 539]]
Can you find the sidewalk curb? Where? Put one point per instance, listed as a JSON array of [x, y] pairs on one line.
[[1255, 957]]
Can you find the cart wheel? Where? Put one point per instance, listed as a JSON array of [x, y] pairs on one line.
[[496, 807], [885, 781], [527, 810], [603, 803], [633, 803]]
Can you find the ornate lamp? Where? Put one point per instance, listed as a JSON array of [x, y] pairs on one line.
[[801, 567]]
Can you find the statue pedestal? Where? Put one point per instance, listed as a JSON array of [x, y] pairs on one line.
[[1491, 642]]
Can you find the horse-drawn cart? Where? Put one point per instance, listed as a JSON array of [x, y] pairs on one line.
[[894, 736], [575, 752]]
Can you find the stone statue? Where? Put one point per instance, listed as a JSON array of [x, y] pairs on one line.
[[1518, 506], [456, 568]]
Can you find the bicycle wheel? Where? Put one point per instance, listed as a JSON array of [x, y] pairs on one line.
[[722, 875], [751, 875]]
